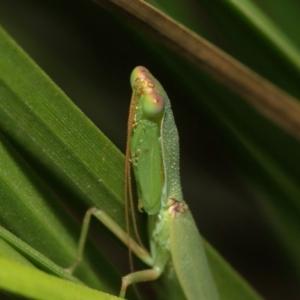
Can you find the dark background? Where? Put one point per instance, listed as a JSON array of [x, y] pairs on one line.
[[89, 52]]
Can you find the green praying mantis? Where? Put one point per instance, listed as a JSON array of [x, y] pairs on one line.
[[153, 151]]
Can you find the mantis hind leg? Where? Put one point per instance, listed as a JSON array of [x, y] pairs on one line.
[[139, 276], [115, 228]]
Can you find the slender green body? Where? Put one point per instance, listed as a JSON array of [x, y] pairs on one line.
[[153, 147], [154, 151]]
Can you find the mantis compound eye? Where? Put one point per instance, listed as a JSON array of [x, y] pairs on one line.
[[153, 105], [138, 72]]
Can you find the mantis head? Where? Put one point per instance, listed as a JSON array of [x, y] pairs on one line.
[[149, 91]]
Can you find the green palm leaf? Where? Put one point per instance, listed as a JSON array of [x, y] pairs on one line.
[[55, 163]]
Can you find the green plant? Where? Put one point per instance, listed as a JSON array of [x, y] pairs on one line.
[[69, 165]]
